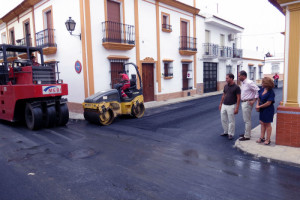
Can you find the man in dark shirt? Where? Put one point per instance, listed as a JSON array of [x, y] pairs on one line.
[[229, 106]]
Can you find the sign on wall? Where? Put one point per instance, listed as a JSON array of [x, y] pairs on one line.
[[78, 66]]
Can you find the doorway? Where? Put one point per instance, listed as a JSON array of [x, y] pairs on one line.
[[148, 81]]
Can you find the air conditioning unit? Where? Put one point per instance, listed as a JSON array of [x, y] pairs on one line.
[[231, 37]]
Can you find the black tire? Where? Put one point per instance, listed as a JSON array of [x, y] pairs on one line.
[[106, 118], [50, 116], [33, 117], [138, 111], [62, 117]]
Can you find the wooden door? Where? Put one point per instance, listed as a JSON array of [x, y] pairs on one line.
[[49, 35], [148, 81], [115, 68], [184, 34], [114, 21], [185, 81]]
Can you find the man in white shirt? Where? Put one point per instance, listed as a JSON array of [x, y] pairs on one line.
[[249, 95]]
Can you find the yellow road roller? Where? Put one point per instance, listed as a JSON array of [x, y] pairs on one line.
[[103, 107]]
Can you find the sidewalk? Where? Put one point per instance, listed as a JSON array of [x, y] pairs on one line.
[[275, 152]]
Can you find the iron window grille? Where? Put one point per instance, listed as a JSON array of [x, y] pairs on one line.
[[168, 69], [228, 69], [251, 72], [118, 33], [46, 38], [260, 72], [167, 26]]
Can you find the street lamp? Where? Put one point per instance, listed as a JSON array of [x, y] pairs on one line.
[[70, 25]]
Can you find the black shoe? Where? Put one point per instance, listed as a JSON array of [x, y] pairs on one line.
[[244, 139], [224, 134], [242, 135], [230, 137]]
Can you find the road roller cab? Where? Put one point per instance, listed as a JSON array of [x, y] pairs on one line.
[[104, 106]]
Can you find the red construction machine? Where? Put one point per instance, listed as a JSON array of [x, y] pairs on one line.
[[29, 92]]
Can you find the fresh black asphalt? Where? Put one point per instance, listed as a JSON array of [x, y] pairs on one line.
[[174, 152]]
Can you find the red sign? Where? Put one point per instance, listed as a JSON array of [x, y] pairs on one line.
[[78, 66]]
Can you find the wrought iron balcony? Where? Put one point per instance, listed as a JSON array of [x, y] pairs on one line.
[[114, 32], [187, 45], [237, 53], [225, 52], [46, 38], [210, 50], [26, 41]]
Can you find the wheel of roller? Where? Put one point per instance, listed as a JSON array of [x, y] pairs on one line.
[[50, 116], [33, 117], [62, 116], [106, 118], [138, 111]]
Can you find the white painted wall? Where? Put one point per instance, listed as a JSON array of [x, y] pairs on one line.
[[215, 35], [17, 24], [69, 48], [101, 64]]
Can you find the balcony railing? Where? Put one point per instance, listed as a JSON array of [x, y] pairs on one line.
[[167, 27], [210, 49], [225, 52], [9, 54], [237, 53], [27, 41], [45, 38], [118, 33], [187, 43]]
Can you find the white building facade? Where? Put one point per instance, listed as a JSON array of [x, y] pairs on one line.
[[178, 51]]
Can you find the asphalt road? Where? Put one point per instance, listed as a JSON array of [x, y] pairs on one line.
[[174, 152]]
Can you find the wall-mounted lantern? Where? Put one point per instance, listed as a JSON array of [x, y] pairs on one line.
[[70, 25]]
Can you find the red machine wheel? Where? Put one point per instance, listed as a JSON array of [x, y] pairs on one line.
[[33, 117], [50, 116], [62, 117]]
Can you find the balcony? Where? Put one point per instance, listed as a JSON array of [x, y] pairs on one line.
[[118, 36], [187, 45], [46, 40], [211, 51], [237, 54], [166, 28], [10, 56], [225, 53], [26, 41]]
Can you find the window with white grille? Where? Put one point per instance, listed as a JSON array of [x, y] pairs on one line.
[[275, 68]]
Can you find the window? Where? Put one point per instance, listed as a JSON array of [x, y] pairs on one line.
[[27, 37], [12, 36], [251, 72], [222, 40], [275, 68], [207, 36], [166, 27], [168, 69], [228, 69], [260, 72], [3, 38]]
